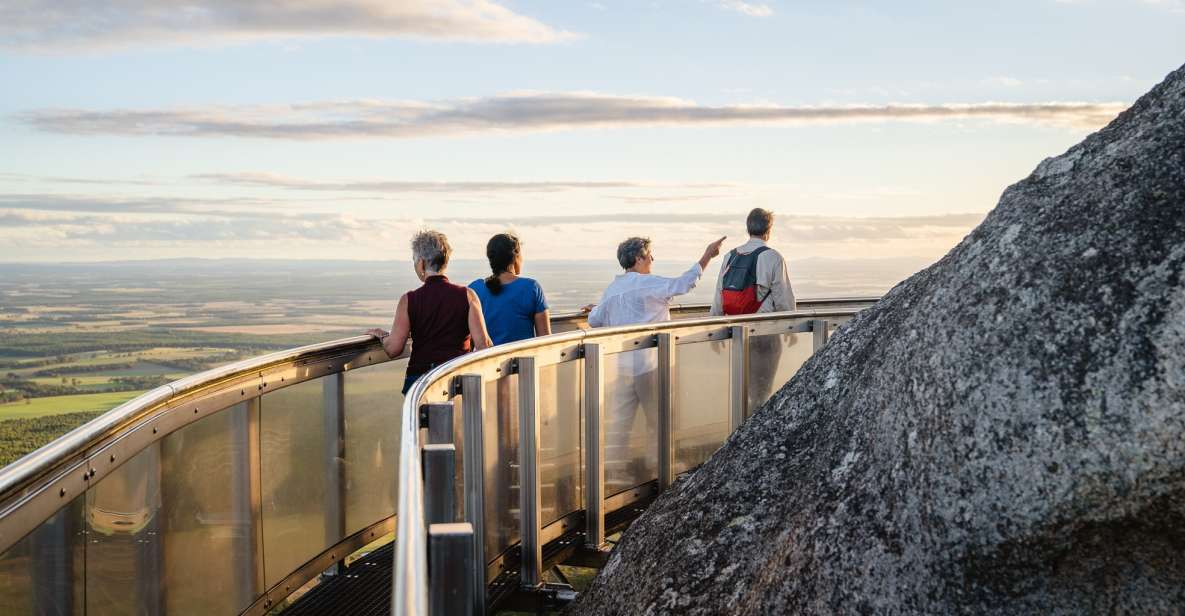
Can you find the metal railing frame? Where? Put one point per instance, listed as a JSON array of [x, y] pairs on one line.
[[415, 538], [37, 486]]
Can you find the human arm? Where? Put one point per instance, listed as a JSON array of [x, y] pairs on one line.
[[477, 323], [542, 316], [395, 341], [687, 281], [596, 314], [781, 293], [543, 323]]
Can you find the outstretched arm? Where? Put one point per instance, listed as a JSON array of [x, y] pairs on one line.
[[687, 281]]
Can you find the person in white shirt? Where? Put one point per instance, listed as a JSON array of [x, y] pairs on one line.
[[776, 295], [637, 296]]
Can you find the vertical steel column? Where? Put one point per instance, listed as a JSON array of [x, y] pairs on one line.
[[334, 448], [819, 328], [738, 378], [450, 563], [529, 490], [594, 447], [255, 476], [440, 469], [666, 410], [149, 551], [245, 500], [473, 461], [51, 564], [440, 423]]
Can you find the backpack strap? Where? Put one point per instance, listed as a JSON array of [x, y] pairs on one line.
[[756, 254]]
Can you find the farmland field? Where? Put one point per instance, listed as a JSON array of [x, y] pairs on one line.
[[76, 339], [59, 405]]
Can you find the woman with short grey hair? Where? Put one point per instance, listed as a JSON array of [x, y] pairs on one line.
[[637, 296], [443, 319]]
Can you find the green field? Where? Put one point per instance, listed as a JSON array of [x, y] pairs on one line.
[[60, 405]]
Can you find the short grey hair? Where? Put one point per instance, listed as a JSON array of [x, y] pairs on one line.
[[432, 247], [630, 250], [759, 221]]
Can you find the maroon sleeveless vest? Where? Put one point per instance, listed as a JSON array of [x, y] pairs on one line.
[[439, 314]]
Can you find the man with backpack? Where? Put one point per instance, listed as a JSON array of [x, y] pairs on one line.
[[753, 278]]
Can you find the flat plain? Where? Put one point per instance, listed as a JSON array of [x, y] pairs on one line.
[[80, 339]]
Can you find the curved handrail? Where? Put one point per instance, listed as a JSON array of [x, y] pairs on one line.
[[38, 485], [410, 589]]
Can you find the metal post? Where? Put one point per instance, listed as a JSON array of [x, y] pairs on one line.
[[52, 564], [334, 419], [529, 491], [473, 461], [739, 377], [666, 409], [246, 503], [440, 423], [440, 469], [594, 447], [819, 327], [450, 563]]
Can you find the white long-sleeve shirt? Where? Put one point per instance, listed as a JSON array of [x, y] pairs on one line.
[[641, 298], [773, 281]]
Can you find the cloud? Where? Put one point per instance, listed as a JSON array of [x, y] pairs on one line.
[[746, 8], [516, 113], [269, 180], [85, 24]]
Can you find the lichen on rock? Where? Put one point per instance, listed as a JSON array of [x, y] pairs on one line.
[[1004, 432]]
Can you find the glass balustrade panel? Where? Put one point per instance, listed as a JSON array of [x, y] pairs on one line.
[[212, 544], [500, 438], [630, 419], [559, 439], [773, 360], [701, 413], [44, 573], [125, 552], [372, 419], [297, 463]]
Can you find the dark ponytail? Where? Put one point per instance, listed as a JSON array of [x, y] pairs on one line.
[[501, 251]]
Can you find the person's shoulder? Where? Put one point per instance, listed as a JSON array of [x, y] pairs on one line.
[[478, 284]]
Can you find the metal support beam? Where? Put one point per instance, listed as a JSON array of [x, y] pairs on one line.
[[246, 500], [738, 391], [666, 410], [450, 564], [820, 329], [473, 462], [529, 484], [594, 447], [334, 448], [440, 423], [440, 471]]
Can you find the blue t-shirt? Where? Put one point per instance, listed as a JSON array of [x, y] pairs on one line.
[[510, 315]]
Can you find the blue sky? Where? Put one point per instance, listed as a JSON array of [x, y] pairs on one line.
[[313, 129]]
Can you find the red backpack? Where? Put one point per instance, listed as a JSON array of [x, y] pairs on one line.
[[738, 289]]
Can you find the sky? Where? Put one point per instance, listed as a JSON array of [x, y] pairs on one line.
[[317, 129]]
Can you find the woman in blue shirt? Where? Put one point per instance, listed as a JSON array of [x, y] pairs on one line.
[[514, 307]]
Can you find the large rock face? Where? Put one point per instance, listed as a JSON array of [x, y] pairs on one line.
[[1004, 432]]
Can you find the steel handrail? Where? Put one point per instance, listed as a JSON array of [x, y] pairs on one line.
[[410, 588], [36, 486]]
